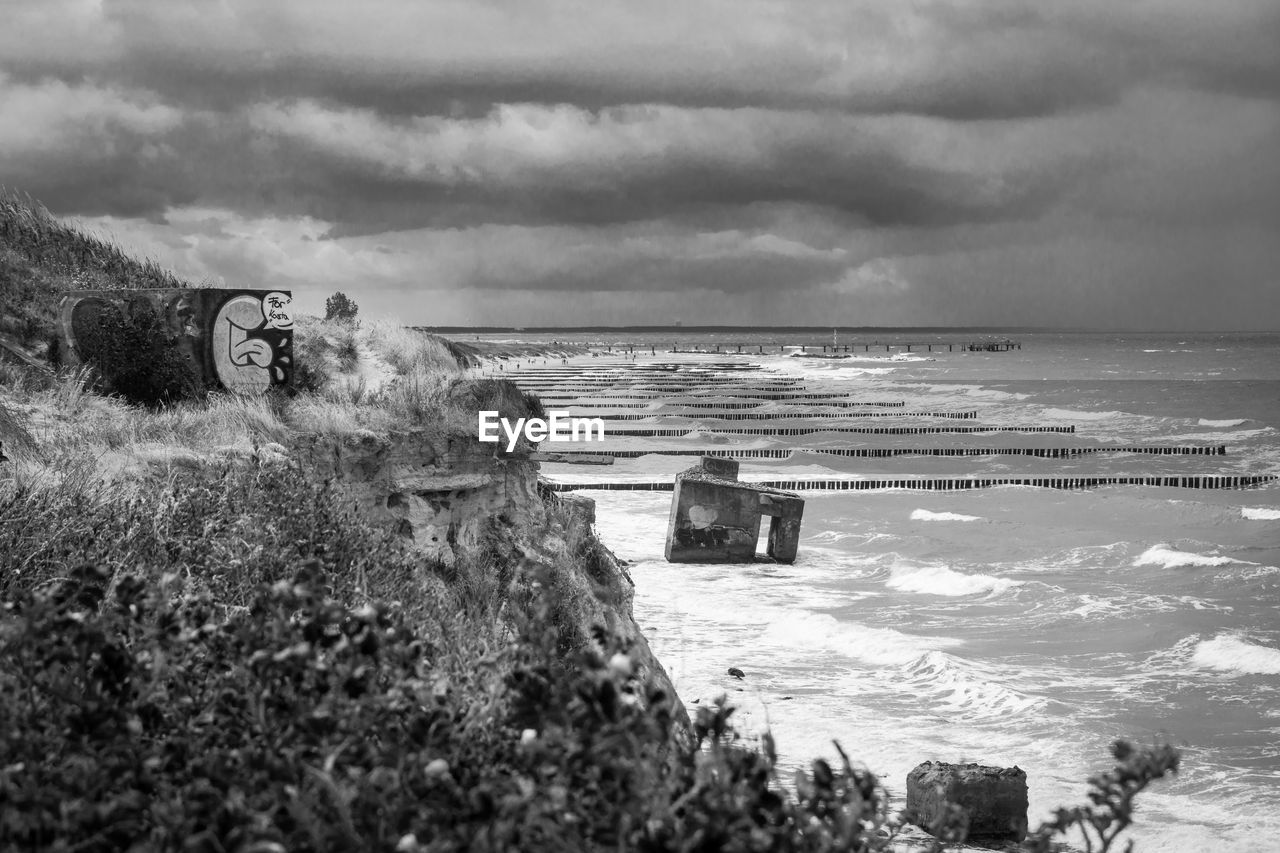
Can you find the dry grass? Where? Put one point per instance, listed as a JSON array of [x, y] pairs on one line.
[[410, 351], [80, 259], [400, 379]]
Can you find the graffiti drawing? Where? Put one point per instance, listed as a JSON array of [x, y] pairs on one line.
[[245, 356], [177, 342]]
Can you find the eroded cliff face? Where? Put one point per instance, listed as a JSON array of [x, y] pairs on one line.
[[441, 493], [449, 495]]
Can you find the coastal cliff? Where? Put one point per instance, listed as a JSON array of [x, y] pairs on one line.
[[454, 499]]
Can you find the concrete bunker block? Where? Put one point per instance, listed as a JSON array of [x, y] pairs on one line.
[[208, 338], [994, 798], [716, 519]]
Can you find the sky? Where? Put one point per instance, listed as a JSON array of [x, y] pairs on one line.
[[1084, 163]]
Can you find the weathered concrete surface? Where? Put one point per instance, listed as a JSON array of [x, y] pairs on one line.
[[235, 340], [994, 798], [438, 492], [715, 518]]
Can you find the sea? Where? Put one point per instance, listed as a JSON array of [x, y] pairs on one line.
[[1008, 625]]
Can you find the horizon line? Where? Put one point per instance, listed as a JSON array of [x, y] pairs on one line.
[[818, 328]]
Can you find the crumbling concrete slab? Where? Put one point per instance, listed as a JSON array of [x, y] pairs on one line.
[[994, 798], [715, 518]]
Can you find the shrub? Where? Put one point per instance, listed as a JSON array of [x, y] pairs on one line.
[[341, 307], [137, 358], [300, 721], [347, 351]]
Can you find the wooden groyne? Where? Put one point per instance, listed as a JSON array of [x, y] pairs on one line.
[[674, 398], [890, 452], [951, 484], [1002, 345], [776, 416], [677, 432], [667, 387], [834, 404], [700, 398]]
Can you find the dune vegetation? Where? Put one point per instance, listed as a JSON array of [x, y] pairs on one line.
[[202, 648]]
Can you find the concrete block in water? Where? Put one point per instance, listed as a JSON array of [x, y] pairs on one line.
[[994, 798], [715, 518]]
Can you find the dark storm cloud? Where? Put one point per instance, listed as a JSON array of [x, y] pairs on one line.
[[835, 147], [532, 164], [522, 163], [960, 61], [272, 97]]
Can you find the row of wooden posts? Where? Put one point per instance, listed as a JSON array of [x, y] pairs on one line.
[[890, 452], [1229, 481], [909, 346]]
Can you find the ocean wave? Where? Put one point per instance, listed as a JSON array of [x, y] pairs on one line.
[[1093, 605], [1076, 415], [1219, 437], [963, 686], [1228, 653], [940, 580], [1260, 513], [1103, 608], [1162, 555], [1226, 423], [805, 630], [831, 537], [1087, 555], [926, 515]]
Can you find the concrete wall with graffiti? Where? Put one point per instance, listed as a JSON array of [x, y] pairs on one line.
[[193, 340]]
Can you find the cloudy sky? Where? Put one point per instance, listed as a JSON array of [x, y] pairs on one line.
[[557, 162]]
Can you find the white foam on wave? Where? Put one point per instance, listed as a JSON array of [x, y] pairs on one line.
[[1076, 415], [833, 369], [941, 580], [926, 515], [1225, 423], [1093, 605], [831, 537], [1260, 513], [1163, 555], [1234, 435], [1228, 653], [1087, 555], [806, 630], [964, 687]]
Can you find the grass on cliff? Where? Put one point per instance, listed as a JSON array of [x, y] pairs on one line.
[[41, 256]]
